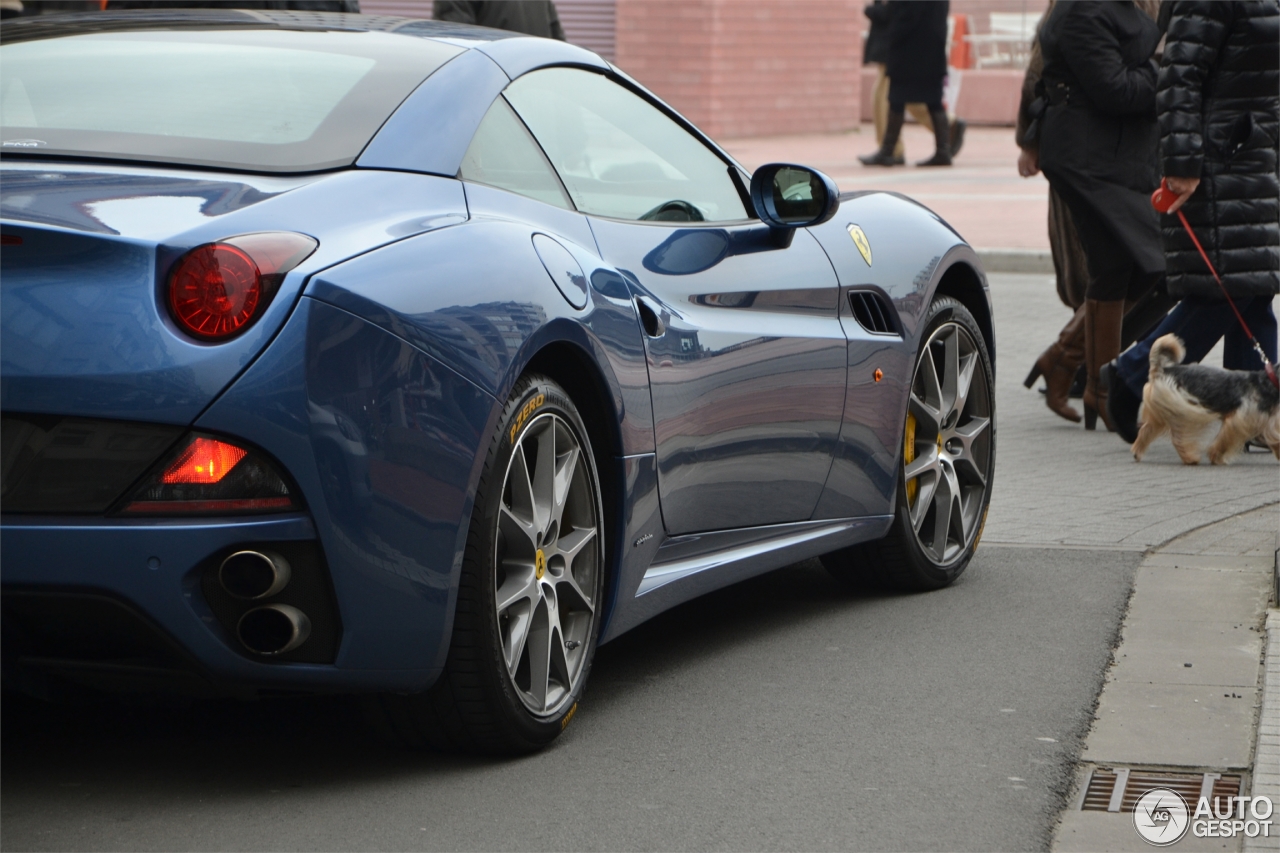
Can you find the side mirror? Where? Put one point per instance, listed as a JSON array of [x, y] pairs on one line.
[[788, 196]]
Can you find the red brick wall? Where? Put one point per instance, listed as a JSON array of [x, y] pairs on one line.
[[756, 68]]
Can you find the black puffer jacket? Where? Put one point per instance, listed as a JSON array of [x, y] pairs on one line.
[[1218, 97]]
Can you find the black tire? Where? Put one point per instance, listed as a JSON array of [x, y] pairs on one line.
[[479, 705], [900, 561]]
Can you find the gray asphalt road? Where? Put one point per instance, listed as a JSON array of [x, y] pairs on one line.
[[783, 713]]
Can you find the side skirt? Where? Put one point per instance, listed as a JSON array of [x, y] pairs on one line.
[[686, 567]]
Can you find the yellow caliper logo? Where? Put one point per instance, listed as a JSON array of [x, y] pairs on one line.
[[860, 240], [539, 564]]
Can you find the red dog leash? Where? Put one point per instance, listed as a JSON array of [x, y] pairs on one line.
[[1162, 199]]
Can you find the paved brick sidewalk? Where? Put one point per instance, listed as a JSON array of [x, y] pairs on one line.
[[1059, 485], [981, 196]]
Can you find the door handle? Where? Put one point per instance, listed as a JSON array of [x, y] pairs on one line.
[[650, 317]]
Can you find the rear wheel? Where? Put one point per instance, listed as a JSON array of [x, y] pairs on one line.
[[529, 597], [947, 462]]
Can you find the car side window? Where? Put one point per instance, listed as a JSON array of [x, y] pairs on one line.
[[620, 156], [502, 154]]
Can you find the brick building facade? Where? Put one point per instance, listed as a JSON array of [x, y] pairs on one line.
[[741, 68]]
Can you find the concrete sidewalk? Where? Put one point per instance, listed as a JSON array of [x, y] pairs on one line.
[[981, 196], [1209, 536], [1183, 695]]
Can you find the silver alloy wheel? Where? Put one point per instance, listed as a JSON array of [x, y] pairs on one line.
[[546, 564], [947, 451]]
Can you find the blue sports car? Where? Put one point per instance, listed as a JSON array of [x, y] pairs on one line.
[[411, 360]]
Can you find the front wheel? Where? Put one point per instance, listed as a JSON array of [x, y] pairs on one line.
[[947, 462], [530, 593]]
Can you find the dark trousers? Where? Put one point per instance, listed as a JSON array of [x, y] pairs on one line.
[[900, 105], [1201, 323]]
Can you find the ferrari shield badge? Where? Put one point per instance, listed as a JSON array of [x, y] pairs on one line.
[[860, 240]]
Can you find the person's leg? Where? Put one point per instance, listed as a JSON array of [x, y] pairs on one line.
[[1199, 323], [1103, 318], [941, 137], [1237, 351], [1111, 275], [880, 101], [1122, 405], [880, 105], [1133, 365], [958, 127], [1143, 312], [920, 112], [892, 133], [1058, 365]]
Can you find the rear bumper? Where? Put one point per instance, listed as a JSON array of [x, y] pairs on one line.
[[120, 603]]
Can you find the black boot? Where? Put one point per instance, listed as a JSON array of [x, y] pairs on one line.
[[942, 139], [957, 135], [884, 157], [1122, 404]]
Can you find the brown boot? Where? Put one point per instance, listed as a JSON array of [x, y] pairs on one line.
[[1058, 365], [1102, 323]]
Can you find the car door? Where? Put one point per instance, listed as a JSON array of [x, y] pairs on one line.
[[745, 350]]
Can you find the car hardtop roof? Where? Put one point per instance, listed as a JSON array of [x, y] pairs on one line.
[[81, 23]]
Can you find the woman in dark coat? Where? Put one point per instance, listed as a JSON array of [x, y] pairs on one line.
[[916, 65], [1060, 363], [1219, 102], [1098, 149]]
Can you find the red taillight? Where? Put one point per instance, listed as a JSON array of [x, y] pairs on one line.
[[208, 475], [205, 461], [217, 290]]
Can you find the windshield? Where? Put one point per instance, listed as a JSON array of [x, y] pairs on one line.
[[256, 100]]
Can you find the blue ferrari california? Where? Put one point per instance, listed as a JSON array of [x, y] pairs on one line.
[[411, 360]]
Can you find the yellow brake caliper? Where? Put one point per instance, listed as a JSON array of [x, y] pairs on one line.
[[908, 456]]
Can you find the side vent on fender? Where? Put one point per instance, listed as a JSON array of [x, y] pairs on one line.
[[873, 312]]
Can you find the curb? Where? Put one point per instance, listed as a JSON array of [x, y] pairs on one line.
[[1016, 260], [1266, 756]]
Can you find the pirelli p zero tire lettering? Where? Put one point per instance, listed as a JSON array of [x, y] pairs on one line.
[[946, 465], [530, 595]]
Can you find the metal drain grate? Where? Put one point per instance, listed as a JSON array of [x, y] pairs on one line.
[[1119, 789]]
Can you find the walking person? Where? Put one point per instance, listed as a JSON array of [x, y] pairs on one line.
[[917, 65], [1061, 364], [531, 17], [1219, 100], [1098, 143], [876, 54]]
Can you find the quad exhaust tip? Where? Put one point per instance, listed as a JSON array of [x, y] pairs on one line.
[[273, 629], [251, 575]]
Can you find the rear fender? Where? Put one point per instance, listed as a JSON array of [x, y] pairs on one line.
[[385, 444], [478, 299]]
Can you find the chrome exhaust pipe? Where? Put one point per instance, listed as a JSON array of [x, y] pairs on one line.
[[251, 575], [273, 629]]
